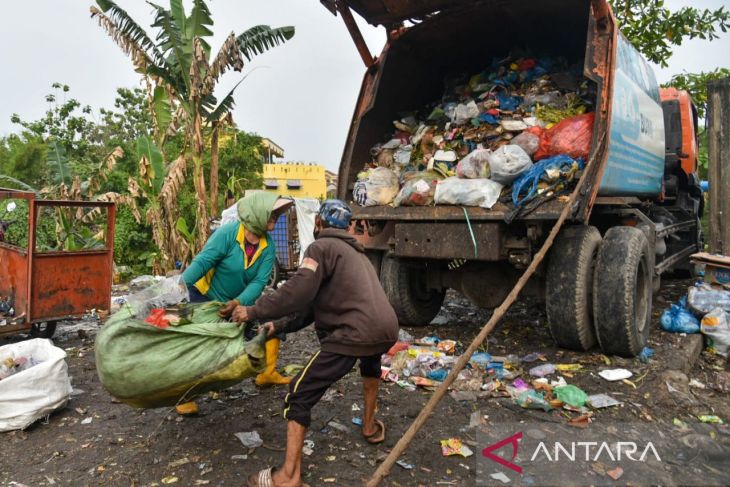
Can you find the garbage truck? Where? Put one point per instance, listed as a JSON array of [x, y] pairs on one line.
[[636, 217]]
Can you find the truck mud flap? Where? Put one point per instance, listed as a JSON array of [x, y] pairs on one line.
[[449, 240]]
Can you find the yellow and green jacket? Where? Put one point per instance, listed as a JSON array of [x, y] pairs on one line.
[[222, 272]]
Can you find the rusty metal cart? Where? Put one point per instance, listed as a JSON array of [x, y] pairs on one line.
[[45, 287]]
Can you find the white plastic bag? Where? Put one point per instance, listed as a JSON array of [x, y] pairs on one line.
[[37, 391], [379, 187], [467, 192], [508, 162], [703, 298], [465, 112], [474, 165], [716, 327], [528, 141], [166, 292]]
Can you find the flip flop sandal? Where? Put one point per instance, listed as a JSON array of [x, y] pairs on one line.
[[377, 437], [264, 479]]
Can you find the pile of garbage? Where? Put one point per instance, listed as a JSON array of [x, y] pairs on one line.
[[426, 362], [11, 365], [523, 123], [706, 310]]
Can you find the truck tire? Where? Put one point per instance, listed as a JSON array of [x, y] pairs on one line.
[[622, 291], [413, 302], [569, 287]]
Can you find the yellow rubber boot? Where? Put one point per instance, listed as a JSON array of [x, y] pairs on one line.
[[270, 376]]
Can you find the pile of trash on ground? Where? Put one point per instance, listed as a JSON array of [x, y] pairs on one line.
[[706, 307], [523, 123], [531, 381]]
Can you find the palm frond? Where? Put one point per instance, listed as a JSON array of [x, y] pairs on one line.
[[224, 107], [17, 182], [229, 56], [261, 38], [128, 35], [59, 162], [93, 183], [170, 37], [198, 25]]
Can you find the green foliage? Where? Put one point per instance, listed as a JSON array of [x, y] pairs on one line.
[[23, 161], [696, 85], [58, 162], [129, 120], [151, 155], [654, 29], [241, 163], [132, 242]]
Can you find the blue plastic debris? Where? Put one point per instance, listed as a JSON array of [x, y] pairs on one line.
[[646, 355], [678, 319], [529, 180]]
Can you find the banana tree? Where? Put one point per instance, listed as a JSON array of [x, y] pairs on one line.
[[181, 74]]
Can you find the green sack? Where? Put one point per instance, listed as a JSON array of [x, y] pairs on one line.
[[145, 366]]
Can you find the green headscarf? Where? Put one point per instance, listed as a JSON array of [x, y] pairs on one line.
[[254, 211]]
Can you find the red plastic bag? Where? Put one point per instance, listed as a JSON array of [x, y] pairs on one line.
[[157, 318], [571, 136]]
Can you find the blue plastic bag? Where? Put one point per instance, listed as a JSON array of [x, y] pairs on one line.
[[509, 103], [678, 319], [529, 180]]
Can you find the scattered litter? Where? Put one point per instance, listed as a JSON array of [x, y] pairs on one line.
[[405, 465], [308, 447], [542, 370], [357, 421], [87, 420], [178, 463], [680, 423], [250, 439], [600, 401], [533, 400], [454, 446], [616, 473], [571, 395], [292, 369], [501, 477], [568, 367], [613, 375], [697, 384], [170, 480], [239, 457], [330, 458], [339, 427], [531, 357], [476, 419], [645, 355], [355, 407], [404, 336], [710, 418]]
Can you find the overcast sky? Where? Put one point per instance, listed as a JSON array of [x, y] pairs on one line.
[[302, 96]]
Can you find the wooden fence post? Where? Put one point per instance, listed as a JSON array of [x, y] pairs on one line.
[[718, 172]]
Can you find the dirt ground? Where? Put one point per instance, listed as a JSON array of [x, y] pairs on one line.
[[122, 446]]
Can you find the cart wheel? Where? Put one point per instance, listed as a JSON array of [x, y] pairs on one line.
[[44, 329], [275, 276]]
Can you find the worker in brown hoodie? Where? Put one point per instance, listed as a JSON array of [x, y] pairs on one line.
[[337, 287]]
